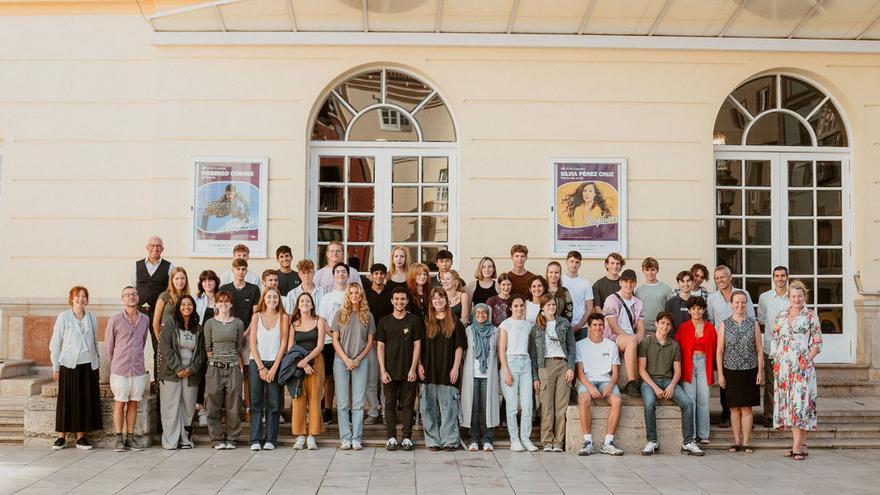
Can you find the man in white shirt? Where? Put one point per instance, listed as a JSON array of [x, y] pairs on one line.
[[597, 369], [770, 304], [324, 277], [581, 291], [240, 251]]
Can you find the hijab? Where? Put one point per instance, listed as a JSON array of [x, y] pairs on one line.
[[482, 333]]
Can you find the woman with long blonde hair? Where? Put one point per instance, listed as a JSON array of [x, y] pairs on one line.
[[459, 302], [484, 286], [267, 337], [445, 343], [398, 270], [353, 329], [418, 285], [178, 286]]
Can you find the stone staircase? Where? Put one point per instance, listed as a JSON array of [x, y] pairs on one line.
[[19, 379], [11, 420]]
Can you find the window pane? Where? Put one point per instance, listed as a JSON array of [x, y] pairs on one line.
[[830, 232], [405, 169], [729, 202], [828, 174], [383, 124], [758, 173], [362, 90], [322, 255], [800, 232], [828, 126], [330, 229], [830, 320], [404, 199], [360, 199], [758, 232], [360, 257], [728, 172], [757, 286], [435, 169], [757, 95], [800, 203], [828, 203], [404, 229], [331, 122], [435, 228], [732, 258], [800, 174], [830, 261], [799, 96], [435, 199], [800, 261], [737, 282], [758, 261], [778, 129], [436, 122], [730, 123], [404, 90], [331, 198], [729, 231], [331, 169], [829, 291], [758, 203], [360, 229], [360, 170], [429, 255]]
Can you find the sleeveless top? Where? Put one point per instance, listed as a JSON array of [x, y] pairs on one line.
[[307, 339], [456, 310], [739, 345], [482, 295], [268, 340]]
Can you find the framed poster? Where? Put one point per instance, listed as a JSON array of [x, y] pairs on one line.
[[229, 206], [589, 206]]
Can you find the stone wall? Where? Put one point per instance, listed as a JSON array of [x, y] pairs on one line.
[[630, 434]]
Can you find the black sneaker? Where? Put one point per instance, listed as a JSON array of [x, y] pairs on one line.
[[60, 443], [632, 389], [83, 444]]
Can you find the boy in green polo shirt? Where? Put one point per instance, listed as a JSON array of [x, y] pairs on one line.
[[660, 370]]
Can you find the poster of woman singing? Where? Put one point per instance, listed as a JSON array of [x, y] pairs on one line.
[[589, 206]]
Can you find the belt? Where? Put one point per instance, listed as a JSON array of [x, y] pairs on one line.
[[222, 365], [555, 358]]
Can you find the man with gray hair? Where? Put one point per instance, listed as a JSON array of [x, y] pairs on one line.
[[150, 278]]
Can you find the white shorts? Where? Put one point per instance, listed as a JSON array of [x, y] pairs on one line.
[[127, 388]]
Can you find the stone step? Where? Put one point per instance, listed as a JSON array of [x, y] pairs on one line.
[[826, 431], [849, 389], [849, 372], [11, 368], [23, 385], [11, 437], [817, 443]]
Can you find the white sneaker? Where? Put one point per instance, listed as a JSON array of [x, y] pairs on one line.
[[611, 448], [346, 445], [268, 446], [558, 448], [255, 447], [391, 444], [516, 446], [529, 445], [692, 449], [473, 447], [231, 446], [220, 446], [357, 446], [300, 443], [587, 448], [548, 447], [311, 444], [406, 444], [651, 448], [488, 447]]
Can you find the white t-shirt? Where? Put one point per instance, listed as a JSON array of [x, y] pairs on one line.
[[532, 311], [597, 359], [623, 319], [330, 304], [551, 341], [517, 336], [581, 290]]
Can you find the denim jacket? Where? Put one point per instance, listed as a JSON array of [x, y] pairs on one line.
[[537, 349]]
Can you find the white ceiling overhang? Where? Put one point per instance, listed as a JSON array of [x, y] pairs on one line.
[[789, 25]]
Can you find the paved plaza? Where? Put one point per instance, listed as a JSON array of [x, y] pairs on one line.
[[38, 470]]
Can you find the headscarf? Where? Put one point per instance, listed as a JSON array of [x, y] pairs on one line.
[[482, 333]]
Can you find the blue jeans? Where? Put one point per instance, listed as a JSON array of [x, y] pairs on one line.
[[480, 433], [440, 408], [698, 391], [351, 416], [264, 395], [518, 393], [680, 397]]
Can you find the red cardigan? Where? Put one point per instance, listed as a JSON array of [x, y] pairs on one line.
[[686, 338]]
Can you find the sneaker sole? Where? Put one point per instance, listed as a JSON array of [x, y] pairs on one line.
[[84, 447], [59, 448], [585, 453], [701, 454], [614, 454], [116, 449]]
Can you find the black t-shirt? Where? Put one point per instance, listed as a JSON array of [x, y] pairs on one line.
[[398, 337], [243, 301], [603, 288], [287, 281], [438, 355], [379, 302]]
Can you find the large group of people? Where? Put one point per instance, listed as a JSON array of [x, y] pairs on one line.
[[403, 345]]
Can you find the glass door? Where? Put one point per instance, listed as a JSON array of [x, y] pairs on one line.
[[789, 209]]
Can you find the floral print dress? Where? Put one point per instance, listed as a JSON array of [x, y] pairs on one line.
[[795, 380]]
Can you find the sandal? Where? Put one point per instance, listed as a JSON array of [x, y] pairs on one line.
[[791, 453], [734, 448], [798, 456], [748, 449]]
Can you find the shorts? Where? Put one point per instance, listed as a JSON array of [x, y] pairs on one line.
[[582, 389], [127, 388]]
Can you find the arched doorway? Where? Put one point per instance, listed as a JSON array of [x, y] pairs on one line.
[[383, 158], [782, 171]]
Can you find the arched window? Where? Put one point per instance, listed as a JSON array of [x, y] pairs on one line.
[[383, 158], [777, 205]]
